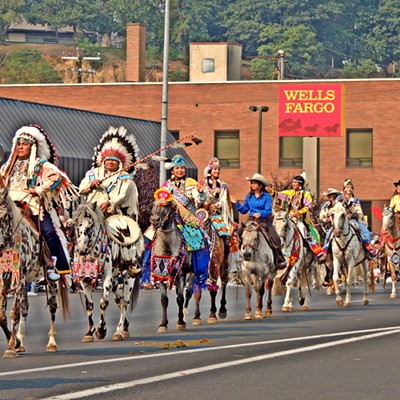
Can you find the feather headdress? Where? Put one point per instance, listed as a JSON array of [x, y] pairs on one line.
[[116, 144]]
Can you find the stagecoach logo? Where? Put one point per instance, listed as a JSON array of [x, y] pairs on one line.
[[395, 258]]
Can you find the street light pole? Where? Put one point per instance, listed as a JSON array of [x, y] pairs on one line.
[[260, 110]]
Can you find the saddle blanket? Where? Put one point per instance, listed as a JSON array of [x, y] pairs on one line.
[[10, 261], [219, 225]]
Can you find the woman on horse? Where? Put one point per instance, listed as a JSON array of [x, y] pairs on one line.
[[356, 215], [218, 202], [37, 186], [110, 182], [395, 200], [298, 203], [258, 203]]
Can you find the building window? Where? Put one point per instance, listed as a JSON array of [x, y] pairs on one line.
[[207, 65], [359, 148], [291, 151], [227, 148]]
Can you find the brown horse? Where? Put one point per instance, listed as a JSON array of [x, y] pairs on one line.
[[20, 241]]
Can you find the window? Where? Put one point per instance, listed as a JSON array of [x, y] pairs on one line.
[[207, 65], [227, 148], [359, 148], [291, 151]]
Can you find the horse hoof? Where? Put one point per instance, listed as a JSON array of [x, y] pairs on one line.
[[162, 329], [87, 339], [247, 317], [268, 313], [212, 320], [287, 309], [180, 327], [117, 337], [365, 302], [125, 335], [185, 314], [305, 308], [222, 315], [339, 302], [51, 348], [20, 349], [9, 353], [259, 316], [346, 304], [196, 322], [329, 292], [101, 336], [393, 296]]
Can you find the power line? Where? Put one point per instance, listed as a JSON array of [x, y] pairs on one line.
[[79, 58]]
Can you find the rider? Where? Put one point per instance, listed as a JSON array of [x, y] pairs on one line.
[[395, 200], [38, 187], [110, 182], [298, 203], [218, 201], [356, 215], [258, 203]]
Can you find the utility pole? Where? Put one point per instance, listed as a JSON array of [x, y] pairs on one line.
[[79, 58], [281, 64]]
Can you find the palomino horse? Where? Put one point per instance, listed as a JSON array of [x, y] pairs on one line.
[[348, 253], [19, 240], [302, 267], [171, 265], [257, 267], [391, 241], [97, 254], [218, 269]]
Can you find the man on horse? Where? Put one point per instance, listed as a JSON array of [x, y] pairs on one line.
[[258, 203], [38, 187], [110, 182], [356, 215], [297, 201]]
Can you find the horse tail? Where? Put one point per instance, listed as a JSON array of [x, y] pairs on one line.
[[371, 265], [64, 299], [134, 294], [277, 287]]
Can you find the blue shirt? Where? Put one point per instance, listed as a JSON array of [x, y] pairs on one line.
[[254, 204]]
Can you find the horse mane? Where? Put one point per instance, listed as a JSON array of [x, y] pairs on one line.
[[89, 208]]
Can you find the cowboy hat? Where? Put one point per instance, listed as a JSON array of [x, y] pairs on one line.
[[259, 178], [330, 191]]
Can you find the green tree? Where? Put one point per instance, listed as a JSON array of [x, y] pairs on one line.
[[10, 11]]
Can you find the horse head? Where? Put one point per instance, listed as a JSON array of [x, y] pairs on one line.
[[340, 221], [282, 224], [89, 220], [250, 239], [162, 216], [388, 220]]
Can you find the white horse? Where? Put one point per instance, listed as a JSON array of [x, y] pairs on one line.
[[348, 253], [303, 268], [257, 267], [391, 234]]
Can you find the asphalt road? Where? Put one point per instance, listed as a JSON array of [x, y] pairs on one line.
[[326, 353]]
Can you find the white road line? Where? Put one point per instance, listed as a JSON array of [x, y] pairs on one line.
[[126, 385], [186, 351]]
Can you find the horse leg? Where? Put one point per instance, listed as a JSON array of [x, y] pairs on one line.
[[212, 318], [365, 300], [268, 309], [393, 294], [86, 284], [248, 289], [337, 280], [163, 328], [110, 283], [260, 291], [14, 317], [223, 312], [180, 301], [24, 306], [288, 301], [304, 290], [349, 279], [52, 304], [197, 298]]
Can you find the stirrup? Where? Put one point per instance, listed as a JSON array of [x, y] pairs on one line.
[[52, 275]]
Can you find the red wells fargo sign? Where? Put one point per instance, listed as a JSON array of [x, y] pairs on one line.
[[310, 110]]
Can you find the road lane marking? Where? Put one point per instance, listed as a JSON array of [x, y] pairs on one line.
[[127, 385], [188, 351]]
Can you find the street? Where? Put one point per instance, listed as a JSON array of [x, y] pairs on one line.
[[328, 352]]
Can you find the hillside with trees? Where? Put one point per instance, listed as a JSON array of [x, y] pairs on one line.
[[320, 38]]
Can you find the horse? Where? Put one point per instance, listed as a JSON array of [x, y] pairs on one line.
[[218, 270], [171, 265], [348, 253], [257, 267], [303, 267], [97, 254], [20, 241], [391, 234]]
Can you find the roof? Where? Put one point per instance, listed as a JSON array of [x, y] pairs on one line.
[[75, 133], [26, 26]]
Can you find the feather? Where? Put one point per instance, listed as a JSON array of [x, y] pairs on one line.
[[142, 166], [159, 158], [197, 141], [304, 175], [180, 145]]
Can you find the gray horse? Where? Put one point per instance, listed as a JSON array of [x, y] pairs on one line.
[[349, 256], [257, 267]]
